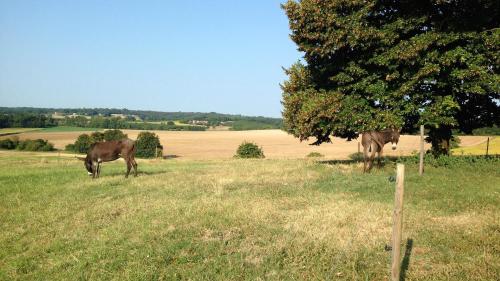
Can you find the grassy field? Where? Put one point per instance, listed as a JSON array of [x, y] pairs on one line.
[[242, 220]]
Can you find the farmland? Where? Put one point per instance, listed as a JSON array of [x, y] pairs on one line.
[[242, 219], [222, 144]]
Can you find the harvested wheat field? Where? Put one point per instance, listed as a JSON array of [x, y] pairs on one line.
[[223, 144]]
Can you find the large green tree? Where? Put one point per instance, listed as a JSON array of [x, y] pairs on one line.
[[375, 64]]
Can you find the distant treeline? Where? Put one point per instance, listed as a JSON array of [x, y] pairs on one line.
[[33, 120], [119, 123], [26, 120], [146, 115]]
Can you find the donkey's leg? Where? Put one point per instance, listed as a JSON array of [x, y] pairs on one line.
[[365, 158], [134, 164], [94, 170], [99, 169], [129, 166], [380, 155], [372, 156]]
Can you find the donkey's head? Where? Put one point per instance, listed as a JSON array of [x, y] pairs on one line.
[[394, 137], [87, 164]]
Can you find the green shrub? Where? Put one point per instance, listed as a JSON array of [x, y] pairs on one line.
[[96, 137], [110, 135], [146, 144], [35, 145], [454, 142], [487, 131], [314, 154], [9, 143], [82, 143], [70, 147], [249, 150]]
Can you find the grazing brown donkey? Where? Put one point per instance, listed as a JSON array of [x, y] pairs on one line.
[[374, 141], [110, 151]]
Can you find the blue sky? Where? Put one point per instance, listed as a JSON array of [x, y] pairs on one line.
[[222, 56]]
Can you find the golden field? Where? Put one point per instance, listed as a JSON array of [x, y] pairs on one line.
[[223, 144]]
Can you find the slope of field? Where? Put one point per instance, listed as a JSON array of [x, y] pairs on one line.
[[480, 148], [242, 220], [223, 144], [11, 131]]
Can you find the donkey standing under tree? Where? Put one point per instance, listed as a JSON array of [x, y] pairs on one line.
[[374, 141], [110, 151]]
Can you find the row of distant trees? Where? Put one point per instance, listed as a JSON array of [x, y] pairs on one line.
[[212, 118], [119, 123], [26, 120], [39, 120]]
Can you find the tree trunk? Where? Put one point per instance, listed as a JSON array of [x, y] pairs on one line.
[[440, 139]]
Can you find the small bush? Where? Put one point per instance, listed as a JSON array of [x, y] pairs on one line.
[[27, 145], [146, 143], [314, 154], [96, 137], [9, 143], [82, 144], [249, 150], [70, 147], [487, 131]]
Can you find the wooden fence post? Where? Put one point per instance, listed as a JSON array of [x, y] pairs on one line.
[[422, 153], [487, 146], [398, 223]]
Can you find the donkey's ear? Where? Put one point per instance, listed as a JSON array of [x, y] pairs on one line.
[[80, 158]]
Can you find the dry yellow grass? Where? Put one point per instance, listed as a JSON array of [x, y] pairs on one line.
[[223, 144]]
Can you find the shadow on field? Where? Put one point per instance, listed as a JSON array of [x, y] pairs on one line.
[[405, 264], [139, 173], [385, 160], [172, 156]]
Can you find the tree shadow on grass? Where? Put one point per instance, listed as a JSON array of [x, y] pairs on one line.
[[385, 160], [405, 264]]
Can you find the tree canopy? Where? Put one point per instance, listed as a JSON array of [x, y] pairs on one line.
[[370, 65]]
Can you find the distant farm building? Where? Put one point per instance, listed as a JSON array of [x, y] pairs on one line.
[[198, 122]]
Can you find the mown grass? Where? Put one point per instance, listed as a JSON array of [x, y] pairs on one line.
[[243, 219]]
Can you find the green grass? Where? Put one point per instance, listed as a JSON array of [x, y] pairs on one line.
[[69, 129], [242, 220]]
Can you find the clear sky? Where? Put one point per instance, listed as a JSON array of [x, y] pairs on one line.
[[223, 56]]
